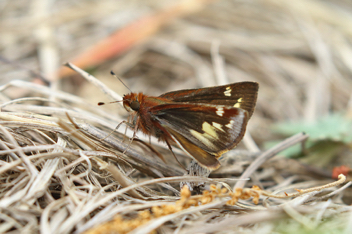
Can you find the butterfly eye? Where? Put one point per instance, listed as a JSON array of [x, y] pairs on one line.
[[135, 105]]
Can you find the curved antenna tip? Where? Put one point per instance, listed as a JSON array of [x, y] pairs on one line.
[[112, 73]]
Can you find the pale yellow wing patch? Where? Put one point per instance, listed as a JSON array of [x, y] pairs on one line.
[[238, 104], [220, 111], [207, 128], [228, 92], [205, 138]]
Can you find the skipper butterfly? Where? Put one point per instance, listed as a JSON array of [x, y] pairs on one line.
[[205, 122]]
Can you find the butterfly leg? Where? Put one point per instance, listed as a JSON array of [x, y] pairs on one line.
[[115, 129], [170, 148], [128, 124], [134, 136], [150, 147]]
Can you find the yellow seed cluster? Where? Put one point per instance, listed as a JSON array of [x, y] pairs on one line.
[[244, 194], [120, 225]]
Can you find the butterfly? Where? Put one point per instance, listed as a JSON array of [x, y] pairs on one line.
[[204, 122]]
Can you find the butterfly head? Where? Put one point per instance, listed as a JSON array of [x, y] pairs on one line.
[[131, 102]]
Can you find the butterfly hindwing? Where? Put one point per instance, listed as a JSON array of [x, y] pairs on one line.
[[240, 95], [214, 129], [204, 158]]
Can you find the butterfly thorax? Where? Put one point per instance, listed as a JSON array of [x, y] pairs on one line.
[[139, 105]]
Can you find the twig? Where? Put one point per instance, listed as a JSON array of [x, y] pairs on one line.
[[95, 82], [341, 180], [269, 154]]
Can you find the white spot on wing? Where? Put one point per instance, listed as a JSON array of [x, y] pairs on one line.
[[228, 91], [236, 124], [230, 125], [218, 126], [238, 104], [220, 111]]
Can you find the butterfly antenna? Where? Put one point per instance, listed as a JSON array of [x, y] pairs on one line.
[[104, 103], [113, 74]]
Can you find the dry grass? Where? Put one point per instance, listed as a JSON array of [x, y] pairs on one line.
[[61, 171]]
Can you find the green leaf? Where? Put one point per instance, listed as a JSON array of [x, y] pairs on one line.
[[334, 127]]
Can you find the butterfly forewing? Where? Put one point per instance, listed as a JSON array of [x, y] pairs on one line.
[[241, 95]]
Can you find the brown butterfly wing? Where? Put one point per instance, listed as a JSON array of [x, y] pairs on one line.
[[241, 95], [204, 131]]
